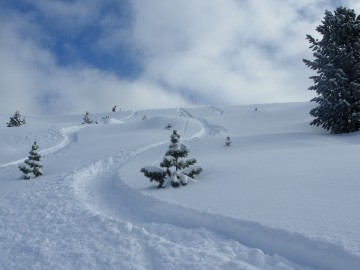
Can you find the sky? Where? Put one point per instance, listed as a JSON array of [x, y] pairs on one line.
[[72, 56]]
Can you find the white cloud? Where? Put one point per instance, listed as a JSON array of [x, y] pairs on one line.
[[32, 82], [228, 51], [354, 4], [219, 51]]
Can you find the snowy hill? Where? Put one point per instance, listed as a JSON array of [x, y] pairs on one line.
[[284, 195]]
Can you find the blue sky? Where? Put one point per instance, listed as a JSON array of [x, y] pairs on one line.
[[74, 55]]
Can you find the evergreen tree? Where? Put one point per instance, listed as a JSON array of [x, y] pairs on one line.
[[32, 164], [86, 119], [337, 63], [173, 168], [228, 141], [16, 120]]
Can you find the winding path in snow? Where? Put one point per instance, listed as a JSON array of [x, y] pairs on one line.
[[70, 135], [221, 112], [208, 129], [160, 221], [112, 207], [70, 138], [112, 198]]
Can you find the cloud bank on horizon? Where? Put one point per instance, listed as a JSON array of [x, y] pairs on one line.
[[66, 56]]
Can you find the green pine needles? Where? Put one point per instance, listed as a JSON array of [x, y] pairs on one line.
[[16, 120], [337, 65], [32, 164], [174, 169]]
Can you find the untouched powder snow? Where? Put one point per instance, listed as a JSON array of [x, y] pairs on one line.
[[283, 196]]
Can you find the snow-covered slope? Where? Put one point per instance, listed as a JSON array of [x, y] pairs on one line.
[[284, 195]]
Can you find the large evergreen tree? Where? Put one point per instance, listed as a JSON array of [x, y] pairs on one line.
[[32, 164], [174, 168], [337, 63]]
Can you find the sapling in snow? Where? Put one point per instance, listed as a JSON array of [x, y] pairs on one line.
[[173, 168], [228, 141], [87, 120], [32, 163], [16, 120]]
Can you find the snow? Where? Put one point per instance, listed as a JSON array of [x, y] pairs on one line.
[[284, 195]]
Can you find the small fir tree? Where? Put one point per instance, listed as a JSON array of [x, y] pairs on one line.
[[173, 168], [228, 141], [16, 120], [168, 126], [86, 119], [337, 63], [32, 164]]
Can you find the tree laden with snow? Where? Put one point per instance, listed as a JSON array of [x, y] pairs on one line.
[[337, 62], [32, 164], [16, 120], [173, 168], [87, 120]]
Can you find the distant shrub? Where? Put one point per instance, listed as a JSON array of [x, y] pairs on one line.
[[228, 141]]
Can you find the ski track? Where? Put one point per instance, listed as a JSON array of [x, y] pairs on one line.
[[221, 112], [295, 247], [131, 115], [208, 129], [70, 137], [157, 220], [148, 233]]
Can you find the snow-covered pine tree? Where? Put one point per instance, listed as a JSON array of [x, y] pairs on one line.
[[26, 170], [86, 119], [228, 141], [16, 120], [32, 164], [173, 168], [337, 63]]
